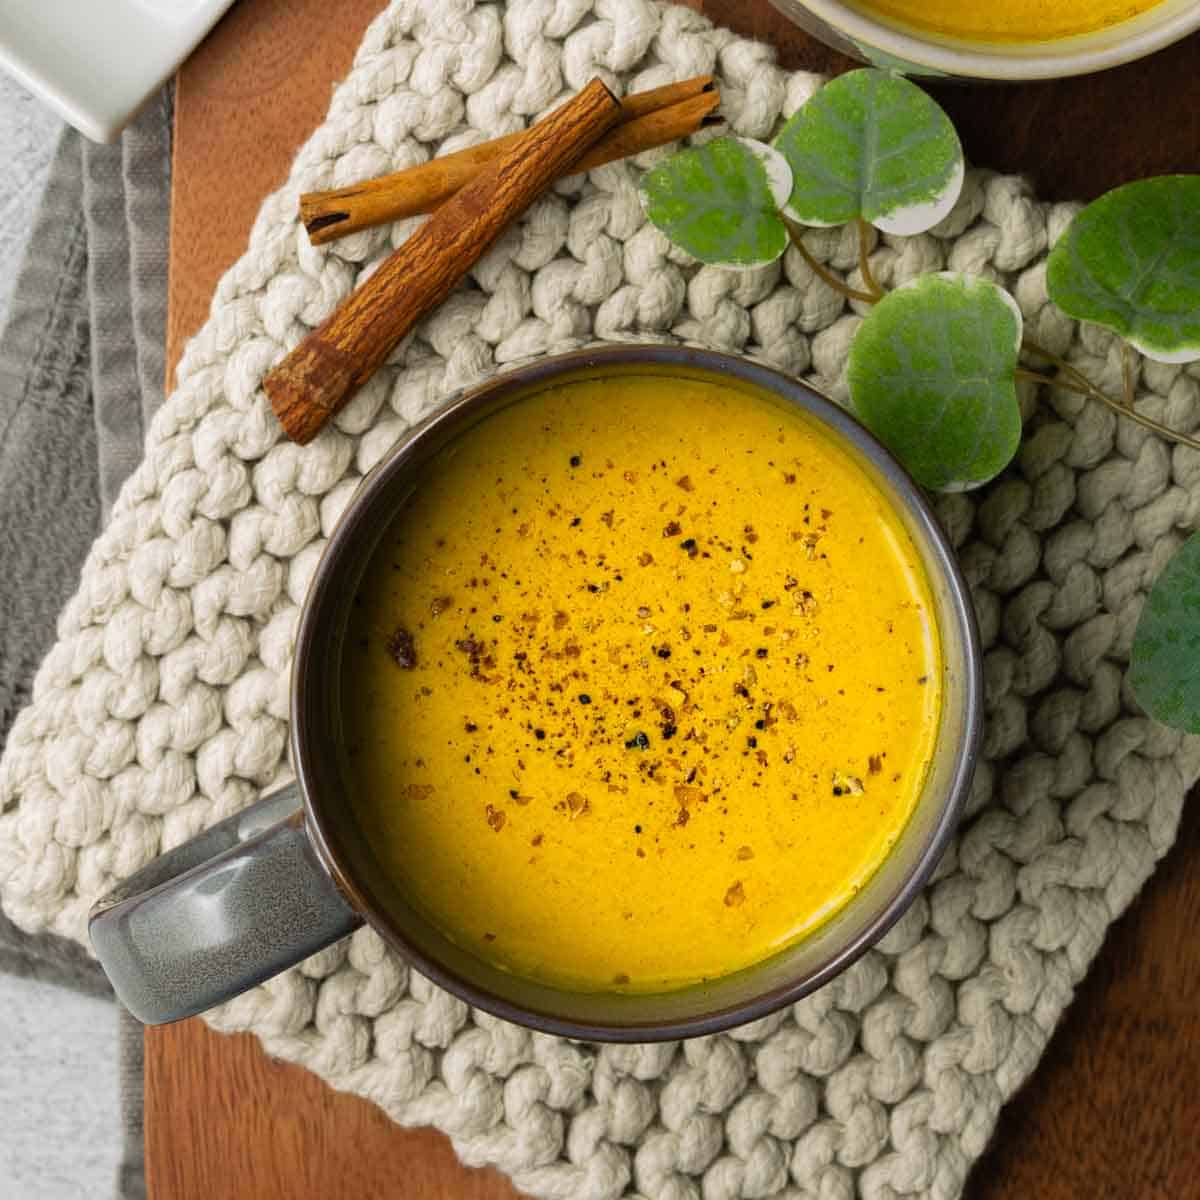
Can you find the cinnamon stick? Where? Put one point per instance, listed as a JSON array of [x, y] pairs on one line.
[[648, 119], [317, 378]]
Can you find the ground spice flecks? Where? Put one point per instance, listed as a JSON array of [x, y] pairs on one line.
[[634, 660], [401, 647]]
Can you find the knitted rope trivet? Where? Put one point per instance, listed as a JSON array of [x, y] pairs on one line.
[[164, 706]]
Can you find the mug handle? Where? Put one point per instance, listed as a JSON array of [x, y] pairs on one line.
[[212, 918]]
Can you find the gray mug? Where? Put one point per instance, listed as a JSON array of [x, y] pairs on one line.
[[262, 890]]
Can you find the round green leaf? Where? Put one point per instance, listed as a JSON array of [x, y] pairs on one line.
[[1165, 665], [721, 201], [1131, 262], [873, 145], [932, 375]]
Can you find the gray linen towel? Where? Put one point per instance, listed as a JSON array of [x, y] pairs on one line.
[[49, 502], [81, 372]]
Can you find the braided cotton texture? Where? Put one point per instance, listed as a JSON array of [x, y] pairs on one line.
[[164, 706]]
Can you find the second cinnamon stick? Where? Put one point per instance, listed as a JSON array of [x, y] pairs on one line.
[[317, 378], [648, 119]]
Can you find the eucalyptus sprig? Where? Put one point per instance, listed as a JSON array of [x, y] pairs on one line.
[[934, 364]]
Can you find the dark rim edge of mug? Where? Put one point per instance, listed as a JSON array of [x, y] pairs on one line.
[[905, 492]]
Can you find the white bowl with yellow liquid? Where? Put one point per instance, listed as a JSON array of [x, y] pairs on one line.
[[1000, 40]]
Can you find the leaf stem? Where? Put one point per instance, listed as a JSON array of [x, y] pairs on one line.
[[1079, 382], [1074, 380], [822, 272], [864, 259], [1037, 377]]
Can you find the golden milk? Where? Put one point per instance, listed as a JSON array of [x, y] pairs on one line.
[[644, 685], [1009, 20]]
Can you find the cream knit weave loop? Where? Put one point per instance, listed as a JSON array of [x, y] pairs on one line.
[[164, 706]]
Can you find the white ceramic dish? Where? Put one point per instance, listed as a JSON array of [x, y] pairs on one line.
[[859, 33], [96, 61]]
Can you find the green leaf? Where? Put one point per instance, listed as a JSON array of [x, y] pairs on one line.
[[721, 201], [1130, 261], [873, 145], [1165, 665], [932, 375]]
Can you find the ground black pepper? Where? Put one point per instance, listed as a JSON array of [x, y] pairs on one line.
[[402, 648]]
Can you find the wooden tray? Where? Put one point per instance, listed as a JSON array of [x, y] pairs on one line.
[[1114, 1107]]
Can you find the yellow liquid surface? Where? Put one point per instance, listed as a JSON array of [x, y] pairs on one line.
[[1010, 20], [644, 685]]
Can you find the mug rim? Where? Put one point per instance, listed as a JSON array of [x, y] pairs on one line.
[[960, 57], [900, 490]]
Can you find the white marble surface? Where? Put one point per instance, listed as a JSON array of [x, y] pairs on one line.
[[59, 1112], [28, 134], [60, 1124]]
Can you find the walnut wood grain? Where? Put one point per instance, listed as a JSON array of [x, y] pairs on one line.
[[244, 103], [1112, 1110], [225, 1122]]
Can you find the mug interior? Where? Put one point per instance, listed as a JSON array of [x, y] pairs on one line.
[[865, 30], [318, 724]]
